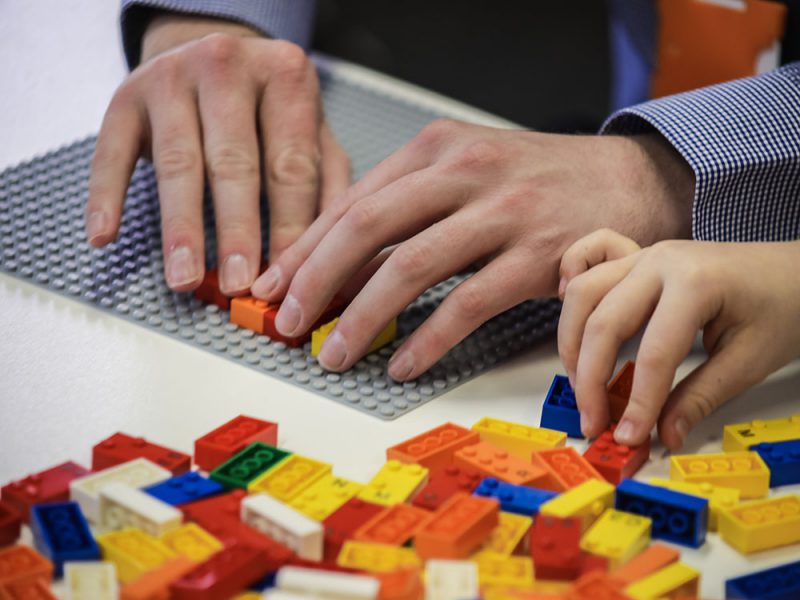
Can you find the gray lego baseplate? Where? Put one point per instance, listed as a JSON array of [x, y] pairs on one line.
[[43, 242]]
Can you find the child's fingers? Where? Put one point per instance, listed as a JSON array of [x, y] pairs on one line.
[[591, 250]]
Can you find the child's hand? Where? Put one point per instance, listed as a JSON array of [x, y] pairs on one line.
[[744, 296]]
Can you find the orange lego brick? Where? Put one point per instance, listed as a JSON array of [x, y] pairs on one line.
[[20, 564], [596, 585], [249, 312], [401, 584], [434, 449], [566, 468], [155, 584], [394, 525], [38, 589], [458, 527], [653, 559], [492, 461], [619, 391]]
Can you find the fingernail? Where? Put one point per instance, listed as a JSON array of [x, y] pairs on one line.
[[267, 283], [96, 225], [235, 275], [181, 267], [334, 351], [586, 424], [401, 366], [624, 432], [682, 428], [562, 286], [289, 315]]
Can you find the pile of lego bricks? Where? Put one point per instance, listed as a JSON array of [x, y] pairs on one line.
[[501, 511]]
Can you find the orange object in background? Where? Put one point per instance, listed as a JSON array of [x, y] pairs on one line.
[[566, 468], [155, 584], [433, 449], [458, 527], [394, 525], [653, 559], [492, 461], [701, 42]]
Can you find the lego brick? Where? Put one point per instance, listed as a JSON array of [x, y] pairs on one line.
[[619, 392], [133, 552], [778, 583], [217, 446], [137, 473], [555, 547], [10, 523], [588, 501], [181, 489], [782, 459], [491, 461], [433, 449], [518, 439], [61, 534], [249, 312], [617, 535], [209, 291], [281, 522], [518, 499], [457, 528], [739, 437], [653, 559], [334, 309], [744, 471], [124, 506], [27, 590], [154, 585], [222, 506], [511, 571], [50, 485], [320, 334], [343, 523], [393, 483], [451, 579], [566, 468], [287, 479], [444, 483], [394, 525], [191, 541], [121, 448], [762, 524], [560, 409], [329, 584], [676, 517], [613, 461], [596, 586], [508, 536], [673, 581], [20, 564], [376, 558], [403, 583], [323, 497], [719, 498], [243, 467]]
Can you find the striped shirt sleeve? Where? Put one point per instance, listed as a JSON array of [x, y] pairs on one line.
[[742, 140], [281, 19]]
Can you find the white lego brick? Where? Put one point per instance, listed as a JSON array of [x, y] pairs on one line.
[[137, 473], [124, 506], [451, 580], [90, 581], [276, 594], [284, 524], [327, 584]]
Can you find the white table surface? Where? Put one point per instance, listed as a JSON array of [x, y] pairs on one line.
[[71, 375]]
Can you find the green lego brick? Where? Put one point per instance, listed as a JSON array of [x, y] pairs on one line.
[[242, 468]]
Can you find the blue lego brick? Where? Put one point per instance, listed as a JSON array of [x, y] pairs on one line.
[[185, 488], [778, 583], [783, 460], [61, 533], [677, 517], [560, 409], [518, 499]]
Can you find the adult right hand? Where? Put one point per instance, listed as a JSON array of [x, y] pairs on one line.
[[215, 99]]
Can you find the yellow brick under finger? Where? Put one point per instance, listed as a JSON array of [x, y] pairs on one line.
[[719, 498], [744, 471], [508, 534], [191, 541], [133, 552], [588, 501], [376, 558], [290, 477], [386, 336], [677, 579], [618, 536], [394, 483], [738, 437], [762, 524], [325, 496], [519, 440]]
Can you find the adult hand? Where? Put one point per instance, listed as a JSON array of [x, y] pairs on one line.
[[213, 98], [744, 297], [458, 194]]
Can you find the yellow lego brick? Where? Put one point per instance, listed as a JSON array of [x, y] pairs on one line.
[[517, 439], [740, 436], [509, 571], [744, 471], [290, 477], [762, 524], [675, 580], [376, 558], [508, 534], [617, 535], [324, 496], [588, 501], [133, 552], [386, 336], [192, 541], [248, 596], [394, 483], [719, 498]]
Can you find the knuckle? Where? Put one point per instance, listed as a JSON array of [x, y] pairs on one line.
[[579, 287], [290, 57], [470, 303], [600, 326], [219, 49], [362, 217], [180, 226], [294, 167], [231, 162], [437, 131], [477, 156], [176, 161], [654, 358], [412, 259], [163, 69]]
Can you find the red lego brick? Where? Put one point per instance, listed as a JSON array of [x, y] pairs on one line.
[[10, 523], [394, 525], [459, 526], [27, 590], [343, 523], [492, 461], [444, 483], [434, 449], [593, 562], [613, 461], [619, 391], [120, 448], [219, 445], [565, 466], [596, 585], [209, 292], [51, 485], [334, 309], [555, 547], [22, 564]]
